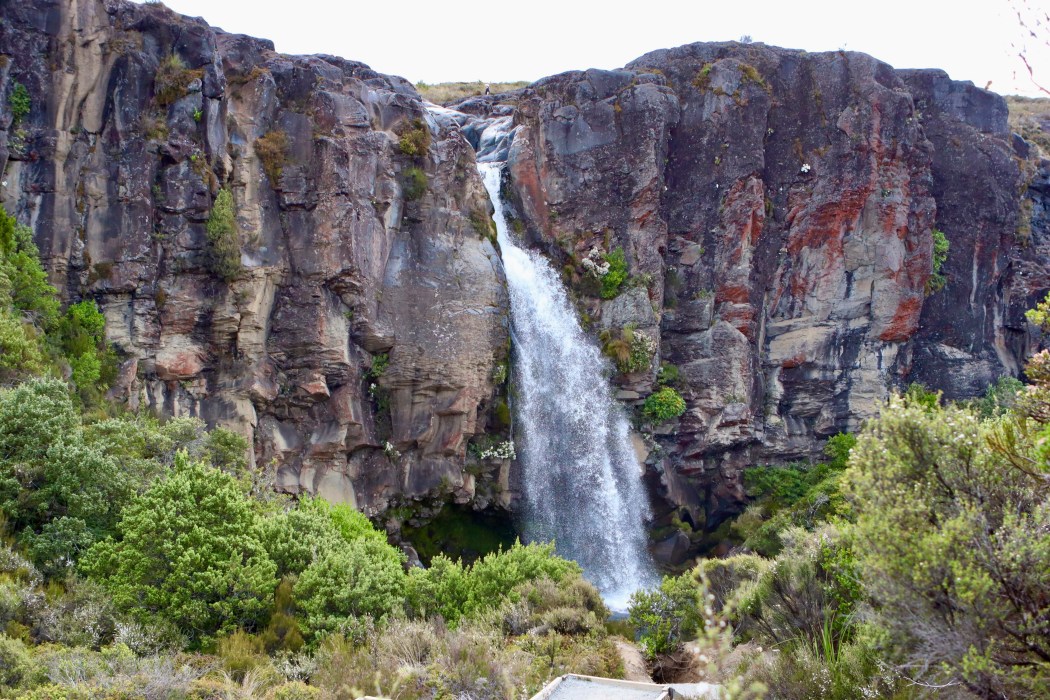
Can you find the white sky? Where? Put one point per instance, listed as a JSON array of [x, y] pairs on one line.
[[437, 41]]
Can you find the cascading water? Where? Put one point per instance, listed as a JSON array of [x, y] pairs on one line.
[[581, 481]]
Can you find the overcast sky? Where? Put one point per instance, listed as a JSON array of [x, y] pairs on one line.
[[437, 41]]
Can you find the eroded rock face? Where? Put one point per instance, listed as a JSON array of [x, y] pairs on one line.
[[341, 264], [776, 209]]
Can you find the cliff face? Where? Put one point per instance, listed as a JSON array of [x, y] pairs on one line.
[[342, 257], [776, 210]]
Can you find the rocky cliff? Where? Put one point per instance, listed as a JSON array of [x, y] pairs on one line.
[[775, 208], [354, 329], [777, 211]]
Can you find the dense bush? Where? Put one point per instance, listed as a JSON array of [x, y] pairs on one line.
[[172, 80], [414, 183], [953, 547], [187, 553], [19, 102], [363, 578], [224, 242], [663, 405], [415, 140], [612, 280]]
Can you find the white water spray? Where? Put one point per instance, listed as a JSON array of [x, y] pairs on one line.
[[581, 480]]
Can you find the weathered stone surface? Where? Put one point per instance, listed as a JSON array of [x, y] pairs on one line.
[[778, 207], [338, 265], [775, 208]]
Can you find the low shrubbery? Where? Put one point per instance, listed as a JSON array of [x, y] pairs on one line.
[[663, 405]]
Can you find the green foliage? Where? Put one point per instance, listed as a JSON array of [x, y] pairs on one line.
[[798, 495], [188, 553], [19, 102], [297, 538], [351, 524], [1040, 315], [380, 361], [224, 242], [455, 591], [82, 338], [414, 183], [952, 522], [918, 395], [936, 280], [668, 616], [59, 491], [272, 151], [415, 140], [702, 81], [663, 405], [632, 351], [15, 662], [362, 579], [999, 398], [616, 276], [669, 375], [282, 633]]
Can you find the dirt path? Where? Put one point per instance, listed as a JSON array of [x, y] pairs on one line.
[[633, 662]]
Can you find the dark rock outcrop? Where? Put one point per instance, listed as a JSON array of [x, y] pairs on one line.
[[139, 117], [776, 209]]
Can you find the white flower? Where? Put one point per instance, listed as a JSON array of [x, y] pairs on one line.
[[805, 168]]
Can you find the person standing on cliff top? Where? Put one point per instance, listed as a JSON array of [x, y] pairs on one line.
[[486, 88]]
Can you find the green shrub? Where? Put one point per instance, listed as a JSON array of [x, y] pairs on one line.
[[15, 662], [272, 151], [952, 515], [297, 538], [936, 280], [362, 579], [663, 405], [187, 553], [617, 274], [668, 616], [415, 140], [282, 633], [224, 242], [296, 690], [632, 351], [702, 81], [19, 102], [414, 183]]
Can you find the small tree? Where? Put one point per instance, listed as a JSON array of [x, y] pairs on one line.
[[188, 553], [224, 253]]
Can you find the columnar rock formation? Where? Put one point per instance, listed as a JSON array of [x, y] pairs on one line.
[[775, 208], [139, 118]]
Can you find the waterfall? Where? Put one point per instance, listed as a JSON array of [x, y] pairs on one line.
[[581, 480]]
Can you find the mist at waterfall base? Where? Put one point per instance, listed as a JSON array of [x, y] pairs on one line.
[[581, 480]]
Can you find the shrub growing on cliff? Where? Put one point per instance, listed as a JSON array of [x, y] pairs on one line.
[[187, 554], [415, 140], [617, 274], [663, 405], [414, 183], [19, 102], [936, 281], [224, 244], [272, 151], [172, 80]]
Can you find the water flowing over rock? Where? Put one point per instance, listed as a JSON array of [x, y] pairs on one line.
[[581, 481], [775, 209]]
